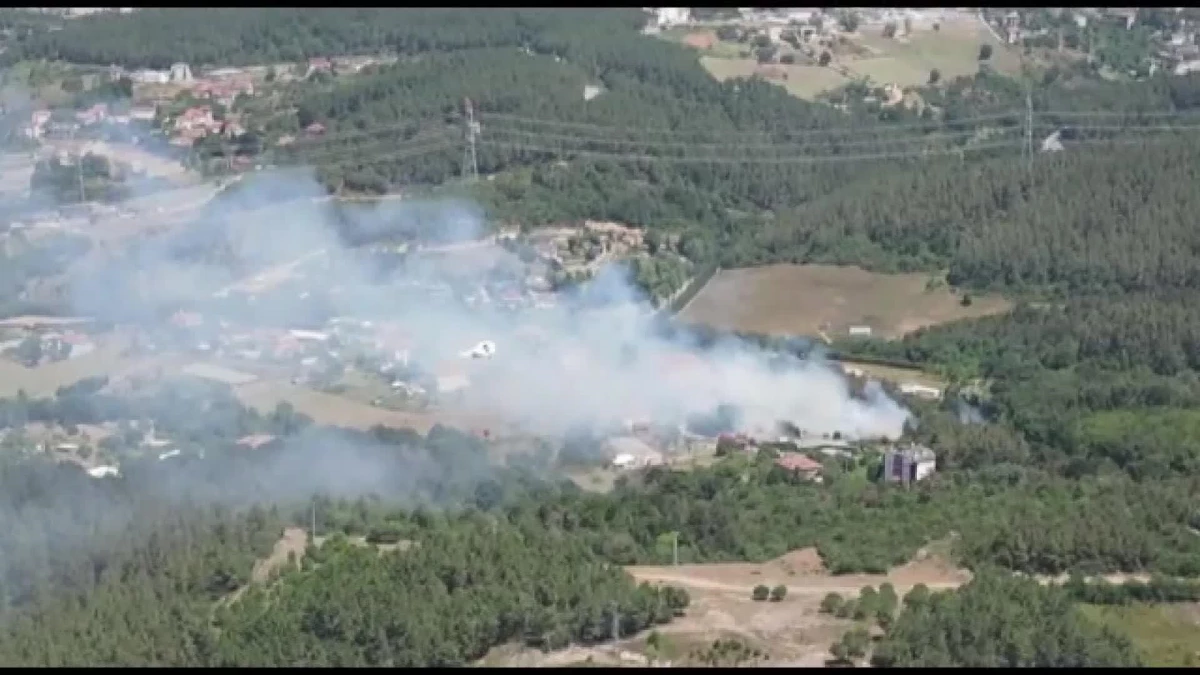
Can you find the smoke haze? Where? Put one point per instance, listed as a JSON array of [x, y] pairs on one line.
[[595, 359]]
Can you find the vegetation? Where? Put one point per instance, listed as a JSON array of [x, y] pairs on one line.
[[1000, 621], [89, 178]]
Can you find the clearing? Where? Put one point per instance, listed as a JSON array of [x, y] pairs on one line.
[[801, 81], [810, 299], [336, 410], [953, 50], [1167, 635], [791, 632], [44, 380]]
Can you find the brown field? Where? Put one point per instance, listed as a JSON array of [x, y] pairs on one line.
[[953, 50], [47, 378], [802, 299], [802, 81], [331, 409]]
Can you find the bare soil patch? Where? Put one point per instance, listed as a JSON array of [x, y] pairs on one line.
[[806, 299]]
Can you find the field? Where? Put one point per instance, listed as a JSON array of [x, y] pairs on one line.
[[801, 81], [336, 410], [811, 299], [47, 378], [953, 50], [906, 61], [1167, 635]]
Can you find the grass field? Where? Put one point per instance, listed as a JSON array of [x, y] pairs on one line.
[[802, 299], [47, 378], [802, 81], [1167, 635], [336, 410], [953, 50]]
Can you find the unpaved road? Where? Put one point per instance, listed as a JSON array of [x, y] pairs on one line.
[[795, 585]]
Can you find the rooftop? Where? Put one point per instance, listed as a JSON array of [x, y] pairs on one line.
[[794, 461]]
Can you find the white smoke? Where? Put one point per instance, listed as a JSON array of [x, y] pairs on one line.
[[555, 368]]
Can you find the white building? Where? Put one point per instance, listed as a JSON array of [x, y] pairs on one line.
[[860, 331], [147, 76], [909, 465], [672, 16], [181, 72], [629, 452], [103, 471], [921, 390]]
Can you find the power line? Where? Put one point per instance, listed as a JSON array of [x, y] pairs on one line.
[[796, 159]]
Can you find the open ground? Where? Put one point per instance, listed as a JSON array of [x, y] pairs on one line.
[[44, 380], [952, 50], [336, 410], [811, 299]]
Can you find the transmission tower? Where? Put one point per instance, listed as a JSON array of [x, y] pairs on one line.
[[470, 165]]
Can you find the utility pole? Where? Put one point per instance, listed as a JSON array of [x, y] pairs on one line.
[[1028, 126], [470, 166], [79, 172]]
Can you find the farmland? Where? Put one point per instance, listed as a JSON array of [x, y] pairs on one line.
[[337, 410], [801, 81], [815, 299], [905, 60], [45, 379]]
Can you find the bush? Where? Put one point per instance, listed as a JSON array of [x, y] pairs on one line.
[[778, 593], [832, 603], [985, 52], [761, 593]]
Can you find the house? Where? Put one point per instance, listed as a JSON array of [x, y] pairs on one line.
[[909, 464], [800, 465], [255, 441], [92, 115], [315, 129], [103, 471], [142, 113], [629, 452], [666, 17], [180, 72], [147, 76], [921, 390], [309, 335], [860, 331]]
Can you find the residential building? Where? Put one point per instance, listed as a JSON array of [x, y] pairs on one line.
[[921, 390], [180, 72], [630, 452], [860, 331], [799, 464], [909, 464]]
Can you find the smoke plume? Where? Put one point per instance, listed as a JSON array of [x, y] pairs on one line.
[[595, 359]]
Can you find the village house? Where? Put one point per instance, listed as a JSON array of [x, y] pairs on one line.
[[255, 441], [628, 452], [801, 465], [908, 464], [921, 391]]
